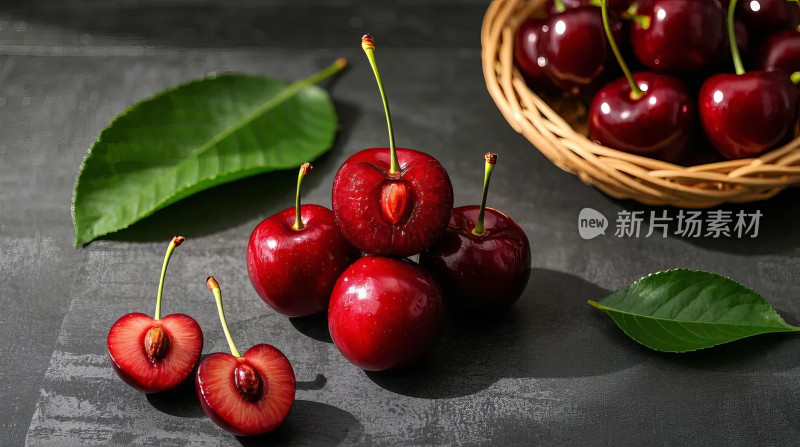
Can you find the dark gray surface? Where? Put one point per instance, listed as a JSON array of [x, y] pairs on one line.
[[554, 371]]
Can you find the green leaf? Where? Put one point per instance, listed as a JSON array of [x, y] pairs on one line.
[[195, 136], [685, 310]]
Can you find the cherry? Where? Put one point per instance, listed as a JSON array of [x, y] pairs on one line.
[[678, 36], [155, 354], [391, 202], [575, 49], [526, 53], [764, 17], [780, 51], [483, 260], [554, 7], [295, 256], [744, 114], [248, 394], [385, 313], [644, 113]]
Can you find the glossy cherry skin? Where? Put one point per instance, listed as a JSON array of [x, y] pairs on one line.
[[656, 125], [526, 54], [385, 313], [780, 51], [392, 214], [575, 49], [127, 352], [485, 273], [684, 35], [764, 17], [744, 115], [236, 412], [294, 270]]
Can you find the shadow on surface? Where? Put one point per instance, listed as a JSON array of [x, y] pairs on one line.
[[311, 423], [232, 204], [180, 401], [313, 326], [313, 385], [551, 332]]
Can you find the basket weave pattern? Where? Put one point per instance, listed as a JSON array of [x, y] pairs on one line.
[[617, 173]]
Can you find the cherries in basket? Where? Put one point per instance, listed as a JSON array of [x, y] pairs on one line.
[[686, 47]]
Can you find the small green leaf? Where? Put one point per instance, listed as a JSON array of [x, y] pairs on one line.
[[685, 310], [195, 136]]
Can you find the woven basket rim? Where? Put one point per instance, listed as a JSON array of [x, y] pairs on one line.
[[617, 173]]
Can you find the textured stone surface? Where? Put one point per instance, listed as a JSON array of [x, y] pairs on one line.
[[554, 371]]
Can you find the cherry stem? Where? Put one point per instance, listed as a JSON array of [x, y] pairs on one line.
[[305, 168], [795, 77], [636, 92], [491, 159], [177, 240], [214, 286], [737, 59], [560, 7], [368, 45], [327, 72]]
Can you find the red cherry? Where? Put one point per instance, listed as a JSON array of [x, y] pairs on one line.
[[155, 354], [245, 395], [385, 313], [530, 62], [678, 36], [483, 260], [764, 17], [780, 51], [391, 202], [576, 50], [744, 114], [295, 256], [656, 124]]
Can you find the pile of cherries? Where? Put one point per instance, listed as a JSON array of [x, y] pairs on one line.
[[682, 50], [384, 310]]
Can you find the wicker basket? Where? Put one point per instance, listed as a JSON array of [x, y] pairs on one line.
[[560, 136]]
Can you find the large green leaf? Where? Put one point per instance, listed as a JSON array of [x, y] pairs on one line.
[[195, 136], [685, 310]]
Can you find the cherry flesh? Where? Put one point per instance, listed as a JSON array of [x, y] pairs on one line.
[[295, 256], [385, 313]]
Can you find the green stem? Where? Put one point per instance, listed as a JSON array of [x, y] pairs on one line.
[[560, 7], [368, 44], [737, 59], [327, 72], [636, 92], [177, 240], [298, 222], [795, 77], [491, 159], [214, 286]]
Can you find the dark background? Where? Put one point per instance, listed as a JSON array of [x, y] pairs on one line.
[[553, 371]]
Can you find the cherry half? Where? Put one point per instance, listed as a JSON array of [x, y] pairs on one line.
[[744, 114], [483, 260], [155, 354], [295, 256], [679, 36], [385, 313], [391, 202], [643, 113], [248, 394], [575, 49]]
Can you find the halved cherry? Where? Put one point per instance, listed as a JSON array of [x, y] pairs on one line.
[[155, 354], [248, 394]]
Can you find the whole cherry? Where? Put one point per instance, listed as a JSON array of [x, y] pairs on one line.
[[385, 313], [764, 17], [575, 49], [483, 260], [643, 113], [155, 354], [391, 201], [248, 394], [744, 114], [780, 51], [526, 53], [295, 256], [678, 36]]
